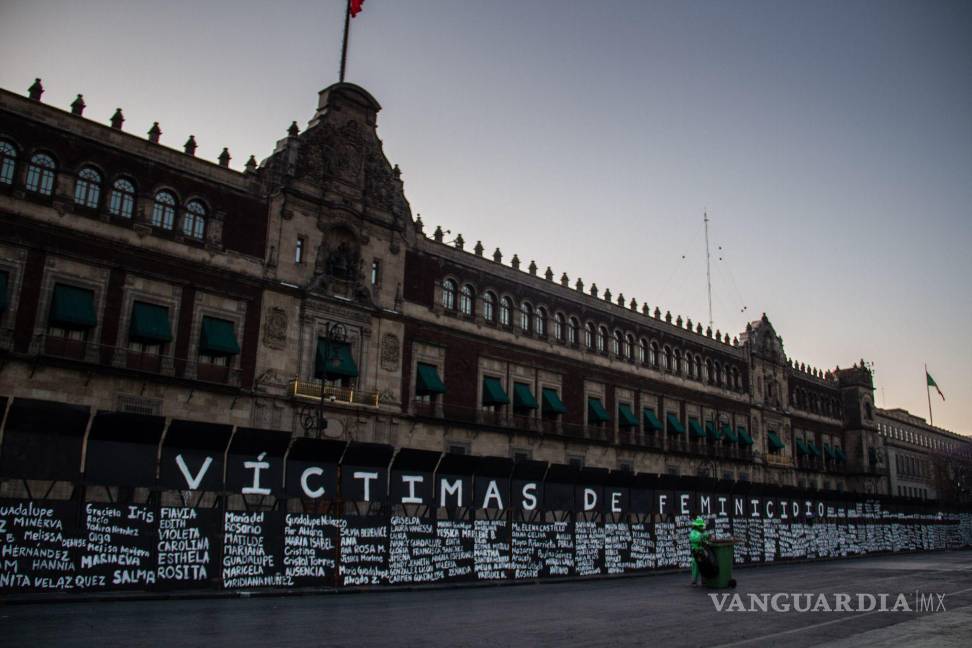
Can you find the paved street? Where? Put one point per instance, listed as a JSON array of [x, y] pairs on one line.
[[660, 610]]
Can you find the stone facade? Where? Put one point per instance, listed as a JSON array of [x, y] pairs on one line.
[[317, 243]]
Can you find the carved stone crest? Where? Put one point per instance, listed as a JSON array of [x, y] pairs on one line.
[[390, 353], [275, 328]]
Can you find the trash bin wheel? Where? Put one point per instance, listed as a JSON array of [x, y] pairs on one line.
[[732, 583]]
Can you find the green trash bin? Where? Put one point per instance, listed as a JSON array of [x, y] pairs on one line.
[[722, 552]]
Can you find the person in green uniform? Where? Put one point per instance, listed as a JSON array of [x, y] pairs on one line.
[[697, 538]]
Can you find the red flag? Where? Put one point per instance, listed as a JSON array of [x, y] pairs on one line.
[[356, 7]]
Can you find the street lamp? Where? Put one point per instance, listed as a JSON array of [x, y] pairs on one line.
[[313, 420]]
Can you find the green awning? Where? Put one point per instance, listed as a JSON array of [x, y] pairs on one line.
[[696, 428], [218, 338], [652, 424], [841, 457], [552, 402], [73, 307], [829, 452], [523, 397], [596, 412], [150, 323], [801, 447], [713, 432], [428, 380], [774, 441], [626, 417], [493, 393], [4, 278], [730, 435], [674, 425], [334, 360], [814, 450], [744, 437]]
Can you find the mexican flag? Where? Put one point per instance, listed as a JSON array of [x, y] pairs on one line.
[[932, 383]]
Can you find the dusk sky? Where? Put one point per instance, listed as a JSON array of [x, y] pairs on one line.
[[830, 142]]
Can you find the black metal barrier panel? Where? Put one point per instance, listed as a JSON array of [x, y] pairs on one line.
[[314, 513]]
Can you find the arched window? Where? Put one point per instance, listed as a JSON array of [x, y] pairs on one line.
[[559, 327], [602, 340], [121, 202], [669, 359], [449, 294], [724, 377], [526, 314], [708, 372], [489, 307], [540, 323], [617, 342], [643, 351], [629, 347], [40, 174], [163, 212], [589, 336], [735, 378], [717, 374], [506, 311], [572, 328], [194, 222], [653, 358], [87, 188], [689, 366], [8, 162], [466, 297], [698, 367]]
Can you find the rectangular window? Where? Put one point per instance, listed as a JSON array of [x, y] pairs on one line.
[[375, 272], [521, 455], [299, 250]]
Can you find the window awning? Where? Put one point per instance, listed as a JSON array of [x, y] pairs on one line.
[[841, 457], [334, 360], [428, 382], [801, 447], [696, 429], [73, 307], [523, 397], [814, 450], [596, 412], [674, 425], [730, 436], [493, 393], [552, 402], [744, 436], [652, 424], [4, 277], [218, 338], [150, 323], [829, 452], [774, 441], [712, 431], [626, 417]]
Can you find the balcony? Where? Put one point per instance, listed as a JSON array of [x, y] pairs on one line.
[[315, 391], [145, 366]]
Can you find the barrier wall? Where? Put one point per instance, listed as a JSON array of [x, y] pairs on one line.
[[200, 506]]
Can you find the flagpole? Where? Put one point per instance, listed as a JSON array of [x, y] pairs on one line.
[[344, 44], [931, 420]]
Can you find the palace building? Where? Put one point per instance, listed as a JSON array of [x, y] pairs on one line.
[[301, 295]]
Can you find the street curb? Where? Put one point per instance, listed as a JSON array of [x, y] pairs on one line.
[[189, 595]]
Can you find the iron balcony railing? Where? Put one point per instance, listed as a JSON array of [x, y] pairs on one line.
[[165, 365], [315, 391]]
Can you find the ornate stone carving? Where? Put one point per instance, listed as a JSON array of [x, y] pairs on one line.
[[390, 353], [275, 328]]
